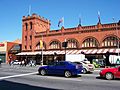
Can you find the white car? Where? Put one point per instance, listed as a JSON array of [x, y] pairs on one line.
[[87, 66], [16, 62]]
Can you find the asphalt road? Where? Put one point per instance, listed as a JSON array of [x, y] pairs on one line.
[[23, 78]]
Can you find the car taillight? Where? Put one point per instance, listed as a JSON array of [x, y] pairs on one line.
[[77, 66]]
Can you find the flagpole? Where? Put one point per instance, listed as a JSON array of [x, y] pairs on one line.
[[79, 20], [29, 9]]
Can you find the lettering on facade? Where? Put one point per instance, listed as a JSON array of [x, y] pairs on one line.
[[118, 61], [2, 45]]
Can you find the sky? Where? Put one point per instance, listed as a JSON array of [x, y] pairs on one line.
[[12, 11]]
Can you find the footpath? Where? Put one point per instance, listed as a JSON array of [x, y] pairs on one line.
[[27, 67], [4, 65]]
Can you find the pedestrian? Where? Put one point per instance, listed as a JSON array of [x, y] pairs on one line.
[[31, 63], [34, 62], [10, 62], [0, 62], [23, 62]]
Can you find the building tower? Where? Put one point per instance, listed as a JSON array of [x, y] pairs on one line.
[[30, 26]]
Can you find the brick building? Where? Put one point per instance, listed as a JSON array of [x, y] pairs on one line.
[[94, 40], [8, 50]]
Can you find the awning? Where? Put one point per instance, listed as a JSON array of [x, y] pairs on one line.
[[89, 51]]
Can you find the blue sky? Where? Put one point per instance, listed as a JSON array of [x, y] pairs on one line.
[[11, 12]]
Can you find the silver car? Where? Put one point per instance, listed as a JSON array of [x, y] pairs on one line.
[[16, 62], [87, 66]]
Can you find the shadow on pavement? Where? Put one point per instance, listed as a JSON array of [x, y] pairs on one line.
[[102, 78], [7, 85], [75, 76]]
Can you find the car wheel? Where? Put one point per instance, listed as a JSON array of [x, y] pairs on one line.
[[84, 70], [109, 76], [68, 74], [42, 72]]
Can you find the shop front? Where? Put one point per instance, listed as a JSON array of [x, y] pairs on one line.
[[52, 55], [3, 56]]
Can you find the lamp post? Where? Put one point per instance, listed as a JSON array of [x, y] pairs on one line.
[[64, 44], [41, 47]]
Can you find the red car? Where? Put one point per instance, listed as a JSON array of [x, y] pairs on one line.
[[110, 73]]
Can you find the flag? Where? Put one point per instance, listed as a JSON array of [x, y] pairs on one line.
[[41, 44], [98, 16], [61, 21]]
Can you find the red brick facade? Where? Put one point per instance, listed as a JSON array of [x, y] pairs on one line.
[[33, 27]]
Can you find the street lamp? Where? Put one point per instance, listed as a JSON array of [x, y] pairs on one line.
[[41, 47], [64, 44]]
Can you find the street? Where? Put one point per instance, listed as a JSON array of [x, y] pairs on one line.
[[23, 78]]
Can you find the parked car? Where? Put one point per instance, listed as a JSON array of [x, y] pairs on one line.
[[15, 62], [65, 68], [110, 73], [87, 66]]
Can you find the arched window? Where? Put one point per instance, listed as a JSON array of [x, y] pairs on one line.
[[54, 45], [90, 42], [110, 41], [72, 43]]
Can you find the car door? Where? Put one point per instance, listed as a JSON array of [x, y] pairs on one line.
[[60, 67], [51, 68], [118, 72]]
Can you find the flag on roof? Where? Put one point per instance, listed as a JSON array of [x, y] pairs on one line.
[[61, 21], [99, 17]]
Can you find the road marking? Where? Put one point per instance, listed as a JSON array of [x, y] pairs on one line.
[[20, 75], [45, 77]]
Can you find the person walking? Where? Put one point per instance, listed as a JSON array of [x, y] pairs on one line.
[[31, 63], [25, 62], [0, 62]]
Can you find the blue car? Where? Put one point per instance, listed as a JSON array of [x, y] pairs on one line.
[[65, 68]]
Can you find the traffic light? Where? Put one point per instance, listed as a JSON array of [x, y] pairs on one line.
[[64, 44]]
